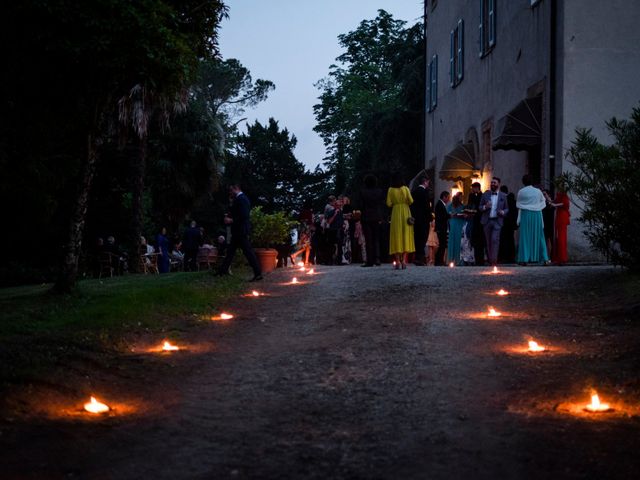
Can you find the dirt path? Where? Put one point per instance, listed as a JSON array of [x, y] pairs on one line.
[[371, 373]]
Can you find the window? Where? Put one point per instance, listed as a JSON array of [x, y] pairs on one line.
[[487, 26], [432, 95], [456, 58]]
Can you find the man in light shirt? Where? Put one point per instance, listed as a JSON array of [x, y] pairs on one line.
[[494, 207]]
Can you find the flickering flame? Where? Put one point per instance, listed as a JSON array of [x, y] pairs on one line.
[[493, 312], [311, 272], [301, 264], [451, 265], [255, 293], [394, 263], [226, 316], [302, 269], [534, 347], [595, 405], [495, 270], [294, 281], [167, 347], [502, 292], [94, 406]]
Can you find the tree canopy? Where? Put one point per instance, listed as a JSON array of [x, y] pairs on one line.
[[370, 114]]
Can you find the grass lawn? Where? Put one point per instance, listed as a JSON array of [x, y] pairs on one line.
[[39, 329]]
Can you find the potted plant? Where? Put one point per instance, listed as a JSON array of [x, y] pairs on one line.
[[267, 232]]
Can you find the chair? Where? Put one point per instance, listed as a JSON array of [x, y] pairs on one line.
[[207, 257], [108, 263], [149, 263]]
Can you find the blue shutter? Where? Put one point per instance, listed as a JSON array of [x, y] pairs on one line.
[[452, 63], [460, 52], [434, 83], [481, 28], [429, 85], [492, 22]]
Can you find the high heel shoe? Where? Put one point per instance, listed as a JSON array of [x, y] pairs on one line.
[[404, 266]]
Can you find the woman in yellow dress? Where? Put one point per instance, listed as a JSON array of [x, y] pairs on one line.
[[401, 241]]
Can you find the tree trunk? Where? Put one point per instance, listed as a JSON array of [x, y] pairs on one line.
[[137, 201], [69, 271]]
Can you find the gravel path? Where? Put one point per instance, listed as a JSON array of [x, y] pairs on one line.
[[375, 373]]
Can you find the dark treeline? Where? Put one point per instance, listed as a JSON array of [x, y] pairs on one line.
[[121, 117]]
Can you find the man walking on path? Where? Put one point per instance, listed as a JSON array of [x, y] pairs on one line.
[[240, 222], [421, 212], [494, 207]]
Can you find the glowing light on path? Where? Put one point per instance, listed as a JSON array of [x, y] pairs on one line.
[[94, 406], [595, 405], [534, 347]]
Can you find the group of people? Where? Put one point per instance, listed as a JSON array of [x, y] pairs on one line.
[[483, 228], [166, 253]]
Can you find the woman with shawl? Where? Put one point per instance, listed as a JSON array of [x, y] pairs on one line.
[[532, 246]]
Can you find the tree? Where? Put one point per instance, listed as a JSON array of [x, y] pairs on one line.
[[370, 114], [92, 54], [606, 183], [264, 163]]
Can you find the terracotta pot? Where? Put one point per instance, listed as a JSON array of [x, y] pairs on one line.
[[267, 258]]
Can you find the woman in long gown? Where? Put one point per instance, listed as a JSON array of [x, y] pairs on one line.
[[163, 251], [563, 215], [401, 241], [532, 247], [456, 224]]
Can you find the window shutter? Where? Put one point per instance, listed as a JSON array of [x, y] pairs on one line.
[[460, 53], [481, 28], [429, 85], [435, 81], [452, 64], [492, 22]]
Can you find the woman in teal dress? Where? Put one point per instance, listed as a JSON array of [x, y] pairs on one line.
[[456, 224]]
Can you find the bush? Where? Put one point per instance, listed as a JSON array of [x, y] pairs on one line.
[[607, 181], [269, 230]]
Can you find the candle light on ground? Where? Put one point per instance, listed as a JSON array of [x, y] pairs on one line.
[[495, 270], [493, 312], [94, 406], [502, 292], [302, 269], [222, 316], [451, 265], [311, 272], [167, 347], [596, 406], [294, 281], [534, 347]]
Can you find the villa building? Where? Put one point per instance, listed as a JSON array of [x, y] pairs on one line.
[[509, 81]]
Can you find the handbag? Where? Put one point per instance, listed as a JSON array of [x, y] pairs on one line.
[[411, 221]]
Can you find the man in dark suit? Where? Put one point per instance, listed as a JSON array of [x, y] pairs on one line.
[[442, 226], [477, 232], [373, 214], [240, 222], [494, 208], [190, 243], [421, 212]]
